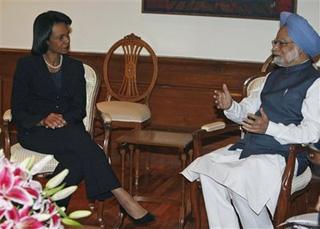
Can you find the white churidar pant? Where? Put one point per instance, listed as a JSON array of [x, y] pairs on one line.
[[253, 185]]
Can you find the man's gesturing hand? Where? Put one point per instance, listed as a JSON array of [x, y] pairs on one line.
[[222, 99]]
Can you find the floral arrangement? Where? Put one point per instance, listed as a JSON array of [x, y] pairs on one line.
[[25, 204]]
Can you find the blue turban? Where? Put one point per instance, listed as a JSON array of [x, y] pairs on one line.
[[301, 32]]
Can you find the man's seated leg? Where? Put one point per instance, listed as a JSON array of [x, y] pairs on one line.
[[248, 218], [220, 211]]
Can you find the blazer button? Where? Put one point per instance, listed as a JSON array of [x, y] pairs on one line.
[[58, 97], [57, 107]]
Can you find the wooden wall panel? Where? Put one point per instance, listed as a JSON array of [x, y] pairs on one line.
[[182, 96]]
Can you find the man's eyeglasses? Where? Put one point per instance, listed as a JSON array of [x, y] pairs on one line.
[[280, 42]]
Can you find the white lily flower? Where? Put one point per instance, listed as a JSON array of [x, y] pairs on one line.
[[79, 214], [64, 193], [40, 164], [42, 217], [56, 180]]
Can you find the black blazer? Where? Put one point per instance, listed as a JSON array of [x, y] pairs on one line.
[[34, 94]]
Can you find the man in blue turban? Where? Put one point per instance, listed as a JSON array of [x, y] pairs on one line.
[[301, 33], [284, 110]]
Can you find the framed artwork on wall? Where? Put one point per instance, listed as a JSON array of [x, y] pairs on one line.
[[259, 9]]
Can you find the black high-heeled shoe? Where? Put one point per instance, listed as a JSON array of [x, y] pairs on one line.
[[147, 218]]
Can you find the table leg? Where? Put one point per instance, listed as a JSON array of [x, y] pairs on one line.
[[147, 157], [137, 160], [123, 154], [190, 155], [182, 206], [131, 151]]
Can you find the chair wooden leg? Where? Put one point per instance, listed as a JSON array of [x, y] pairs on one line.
[[190, 155], [7, 142], [281, 211], [147, 163], [100, 217], [91, 205], [195, 205], [182, 205], [136, 169], [106, 147], [131, 151], [123, 154], [121, 217]]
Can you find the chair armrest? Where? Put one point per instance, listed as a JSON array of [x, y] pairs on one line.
[[106, 118], [312, 147], [289, 169], [7, 117], [213, 126], [209, 131], [7, 142]]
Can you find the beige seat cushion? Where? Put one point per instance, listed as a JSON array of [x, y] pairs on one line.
[[18, 154], [124, 111], [301, 181]]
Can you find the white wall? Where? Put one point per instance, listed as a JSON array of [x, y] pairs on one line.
[[97, 24]]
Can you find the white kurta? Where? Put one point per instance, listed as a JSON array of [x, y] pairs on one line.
[[258, 177]]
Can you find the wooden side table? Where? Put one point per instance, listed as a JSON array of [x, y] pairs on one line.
[[181, 142]]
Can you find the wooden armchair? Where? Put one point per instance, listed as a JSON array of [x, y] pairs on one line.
[[291, 187], [128, 86]]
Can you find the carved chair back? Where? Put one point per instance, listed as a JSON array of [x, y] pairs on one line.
[[130, 84]]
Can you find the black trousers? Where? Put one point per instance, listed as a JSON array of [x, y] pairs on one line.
[[74, 149]]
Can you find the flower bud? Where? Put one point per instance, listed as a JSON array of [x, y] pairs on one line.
[[71, 222], [64, 193], [79, 214], [62, 212], [56, 180], [52, 191]]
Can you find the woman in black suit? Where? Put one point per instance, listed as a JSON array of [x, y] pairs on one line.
[[48, 106]]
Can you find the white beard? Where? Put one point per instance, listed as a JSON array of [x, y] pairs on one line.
[[289, 57]]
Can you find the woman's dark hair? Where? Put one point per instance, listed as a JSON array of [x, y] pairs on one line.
[[42, 29]]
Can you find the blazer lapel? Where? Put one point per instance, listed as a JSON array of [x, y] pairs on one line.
[[45, 75], [64, 75]]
